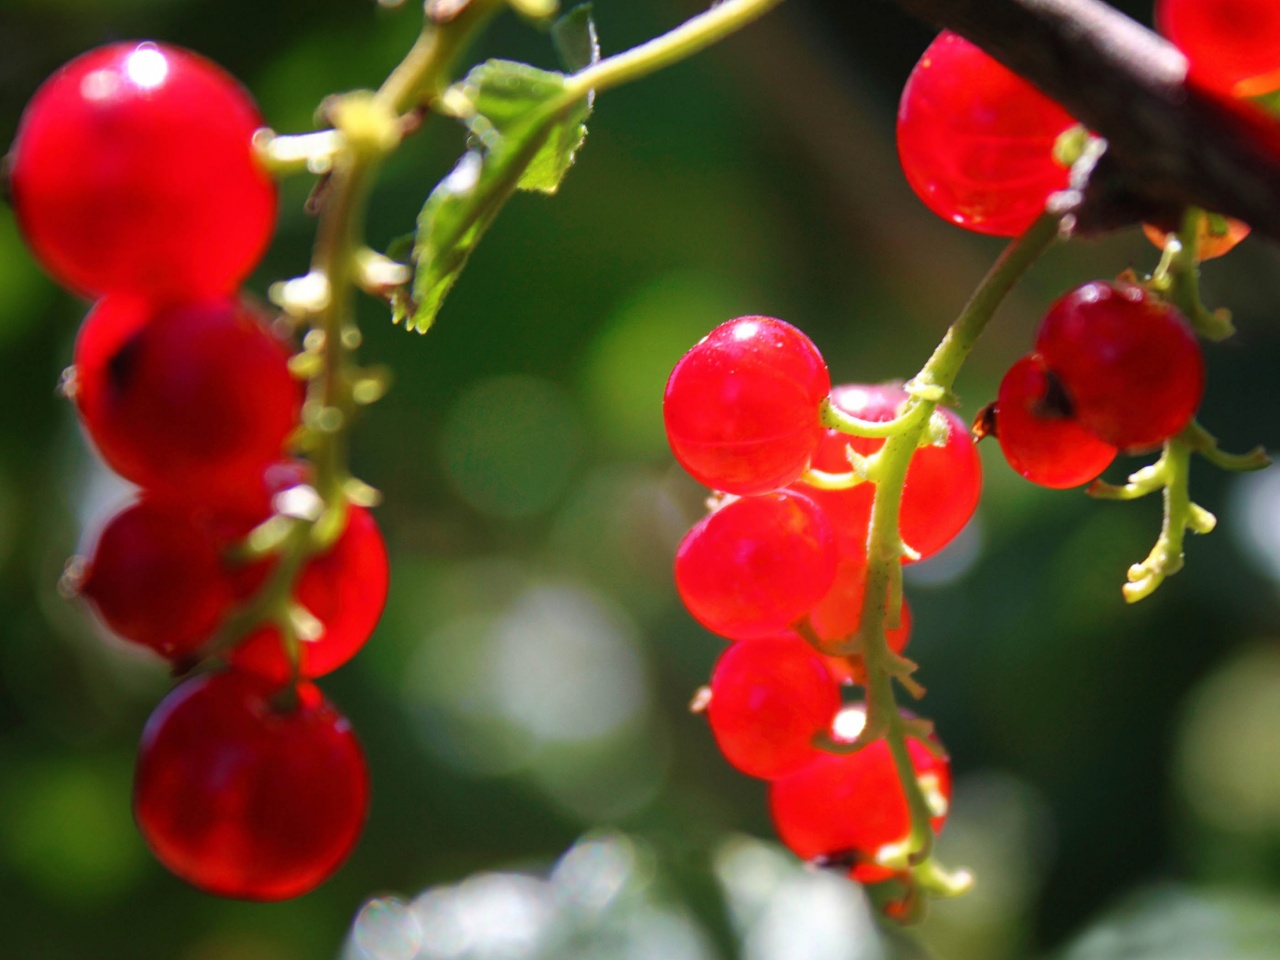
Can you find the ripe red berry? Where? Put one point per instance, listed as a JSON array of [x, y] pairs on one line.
[[1129, 363], [838, 615], [243, 797], [1038, 433], [851, 807], [133, 171], [158, 578], [193, 399], [1232, 46], [756, 565], [976, 140], [769, 698], [942, 486], [345, 589], [742, 407]]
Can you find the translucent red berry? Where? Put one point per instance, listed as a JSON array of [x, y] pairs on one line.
[[756, 565], [838, 615], [976, 140], [851, 807], [1232, 46], [1129, 363], [157, 577], [742, 407], [193, 399], [133, 171], [942, 485], [246, 795], [344, 589], [769, 698], [1038, 432]]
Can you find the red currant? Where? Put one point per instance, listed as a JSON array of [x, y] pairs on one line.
[[942, 486], [838, 615], [1129, 363], [742, 406], [976, 140], [345, 589], [852, 806], [244, 797], [1232, 46], [134, 171], [1044, 444], [157, 578], [756, 565], [769, 698], [192, 399]]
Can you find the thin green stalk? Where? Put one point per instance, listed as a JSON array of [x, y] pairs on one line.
[[885, 548], [684, 41]]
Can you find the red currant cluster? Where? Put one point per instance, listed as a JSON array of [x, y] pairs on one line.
[[1114, 368], [135, 181], [780, 566]]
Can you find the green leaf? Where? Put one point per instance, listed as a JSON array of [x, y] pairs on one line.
[[574, 36], [501, 95], [525, 129]]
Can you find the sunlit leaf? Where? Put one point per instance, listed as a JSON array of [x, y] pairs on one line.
[[525, 127]]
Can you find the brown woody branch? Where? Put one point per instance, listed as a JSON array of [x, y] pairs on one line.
[[1170, 144]]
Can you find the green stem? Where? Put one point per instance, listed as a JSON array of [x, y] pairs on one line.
[[684, 41], [885, 548]]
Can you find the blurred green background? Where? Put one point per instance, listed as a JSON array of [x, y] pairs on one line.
[[540, 788]]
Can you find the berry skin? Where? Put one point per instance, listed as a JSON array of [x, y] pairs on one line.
[[1046, 446], [244, 798], [769, 698], [838, 615], [976, 140], [1232, 46], [192, 400], [1129, 363], [345, 589], [849, 807], [756, 565], [742, 406], [133, 171], [157, 578], [942, 486]]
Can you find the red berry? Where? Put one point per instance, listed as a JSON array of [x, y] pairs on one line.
[[1129, 363], [838, 615], [1044, 444], [157, 578], [134, 171], [742, 406], [193, 400], [976, 140], [1232, 46], [769, 698], [756, 565], [345, 589], [852, 806], [942, 485], [243, 797]]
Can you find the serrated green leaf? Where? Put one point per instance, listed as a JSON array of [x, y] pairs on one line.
[[575, 39], [464, 203], [525, 129]]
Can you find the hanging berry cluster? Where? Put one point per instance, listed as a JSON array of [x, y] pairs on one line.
[[249, 783], [822, 495], [780, 567]]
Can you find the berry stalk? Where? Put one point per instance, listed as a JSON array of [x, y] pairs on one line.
[[885, 549]]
